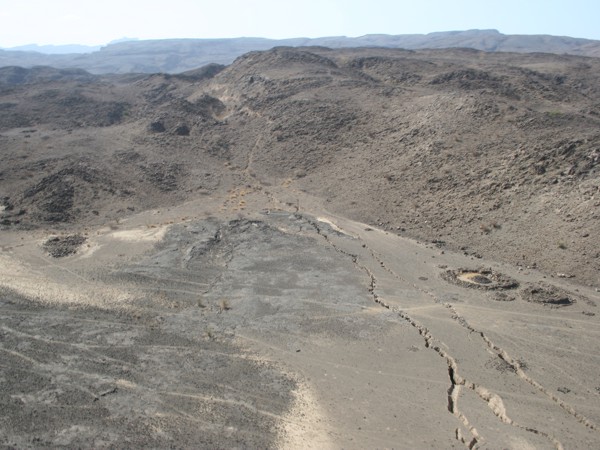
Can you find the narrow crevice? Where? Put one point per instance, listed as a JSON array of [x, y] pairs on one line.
[[494, 401], [455, 380], [503, 355], [218, 238], [517, 368]]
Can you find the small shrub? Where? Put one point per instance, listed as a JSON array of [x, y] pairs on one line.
[[224, 305], [210, 333]]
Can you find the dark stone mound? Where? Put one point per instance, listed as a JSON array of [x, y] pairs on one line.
[[164, 176], [54, 194], [546, 294], [480, 279], [61, 246], [486, 279], [68, 194], [206, 106], [503, 297], [182, 130], [156, 127]]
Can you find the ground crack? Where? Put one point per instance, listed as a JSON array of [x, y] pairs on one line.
[[502, 354], [516, 366], [456, 381], [493, 401], [218, 238]]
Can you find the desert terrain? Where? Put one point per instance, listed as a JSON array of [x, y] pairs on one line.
[[308, 248], [178, 55]]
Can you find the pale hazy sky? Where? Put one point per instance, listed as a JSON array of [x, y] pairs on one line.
[[100, 21]]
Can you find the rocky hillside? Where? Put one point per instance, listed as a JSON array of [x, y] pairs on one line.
[[496, 154]]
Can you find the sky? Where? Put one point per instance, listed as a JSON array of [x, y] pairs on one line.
[[59, 22]]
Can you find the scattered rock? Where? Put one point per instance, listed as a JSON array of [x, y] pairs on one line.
[[182, 130], [503, 297], [157, 127], [62, 246], [547, 294]]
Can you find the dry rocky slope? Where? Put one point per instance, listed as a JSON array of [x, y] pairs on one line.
[[309, 248], [493, 154]]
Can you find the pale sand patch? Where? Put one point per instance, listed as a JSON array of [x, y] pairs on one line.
[[89, 250], [35, 285], [332, 225], [519, 443], [303, 426], [134, 235], [140, 234], [474, 278], [126, 384]]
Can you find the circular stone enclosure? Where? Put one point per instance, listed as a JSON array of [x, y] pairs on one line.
[[546, 294], [486, 279]]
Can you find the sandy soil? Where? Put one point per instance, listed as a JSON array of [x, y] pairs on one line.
[[286, 329]]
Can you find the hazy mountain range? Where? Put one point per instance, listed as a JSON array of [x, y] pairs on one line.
[[179, 55]]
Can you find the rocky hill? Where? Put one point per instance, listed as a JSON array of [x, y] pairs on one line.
[[495, 154], [178, 55]]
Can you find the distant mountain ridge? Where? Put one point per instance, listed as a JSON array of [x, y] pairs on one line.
[[180, 55], [56, 49]]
